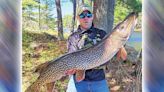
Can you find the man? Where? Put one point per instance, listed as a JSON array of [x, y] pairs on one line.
[[86, 36]]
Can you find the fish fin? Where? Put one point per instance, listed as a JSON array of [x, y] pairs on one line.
[[122, 54], [50, 86], [64, 78], [118, 55], [34, 87], [40, 67], [80, 75]]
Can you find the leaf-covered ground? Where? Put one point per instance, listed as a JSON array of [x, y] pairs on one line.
[[38, 48], [42, 47]]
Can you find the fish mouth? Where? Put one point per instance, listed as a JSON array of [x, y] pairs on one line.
[[130, 19], [128, 24], [126, 27], [133, 14]]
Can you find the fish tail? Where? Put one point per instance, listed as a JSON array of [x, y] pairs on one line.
[[33, 88]]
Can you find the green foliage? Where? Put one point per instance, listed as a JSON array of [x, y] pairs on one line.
[[51, 23], [29, 25], [32, 18], [135, 5], [29, 4], [120, 12], [67, 21], [88, 2], [124, 7]]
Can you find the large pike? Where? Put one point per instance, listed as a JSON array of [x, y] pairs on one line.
[[86, 58]]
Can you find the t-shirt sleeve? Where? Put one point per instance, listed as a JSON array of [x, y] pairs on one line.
[[71, 44]]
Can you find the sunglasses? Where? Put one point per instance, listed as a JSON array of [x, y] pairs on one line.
[[83, 15]]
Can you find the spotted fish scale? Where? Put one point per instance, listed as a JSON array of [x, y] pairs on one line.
[[86, 58]]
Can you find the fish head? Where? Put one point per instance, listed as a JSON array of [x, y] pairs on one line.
[[126, 27]]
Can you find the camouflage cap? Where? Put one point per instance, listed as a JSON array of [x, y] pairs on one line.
[[84, 7]]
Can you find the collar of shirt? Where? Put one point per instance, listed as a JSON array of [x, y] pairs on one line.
[[90, 32]]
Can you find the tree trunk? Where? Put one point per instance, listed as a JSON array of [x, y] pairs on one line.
[[104, 14], [77, 2], [74, 14], [59, 20], [82, 1], [90, 2], [39, 14]]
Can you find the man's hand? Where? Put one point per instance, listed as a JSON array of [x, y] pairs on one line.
[[70, 72]]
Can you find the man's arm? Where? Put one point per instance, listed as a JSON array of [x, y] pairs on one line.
[[71, 44]]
